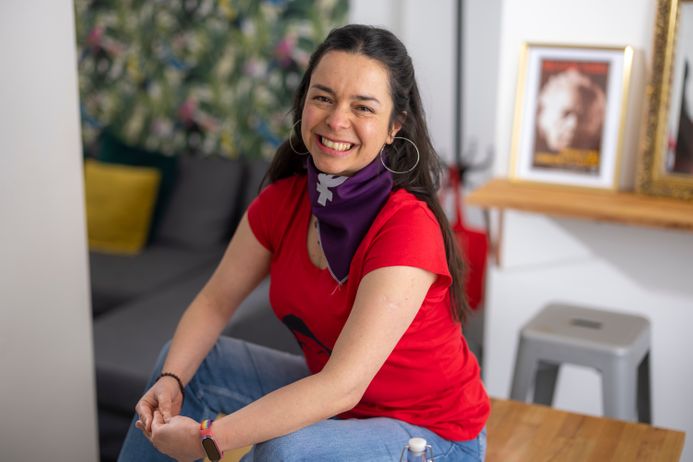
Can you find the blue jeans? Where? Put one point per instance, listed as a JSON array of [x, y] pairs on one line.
[[236, 373]]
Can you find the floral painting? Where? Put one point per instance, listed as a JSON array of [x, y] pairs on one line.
[[198, 76]]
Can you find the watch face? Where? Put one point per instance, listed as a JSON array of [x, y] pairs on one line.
[[211, 449]]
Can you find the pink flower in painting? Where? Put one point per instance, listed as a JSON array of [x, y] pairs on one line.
[[95, 36], [188, 110], [284, 50]]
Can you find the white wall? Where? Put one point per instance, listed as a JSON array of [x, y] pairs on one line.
[[619, 267], [47, 399], [481, 38]]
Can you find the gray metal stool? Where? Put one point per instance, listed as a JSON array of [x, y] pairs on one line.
[[616, 344]]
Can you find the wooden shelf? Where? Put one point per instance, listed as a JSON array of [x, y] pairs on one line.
[[598, 205]]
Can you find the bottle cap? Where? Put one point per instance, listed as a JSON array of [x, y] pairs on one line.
[[417, 445]]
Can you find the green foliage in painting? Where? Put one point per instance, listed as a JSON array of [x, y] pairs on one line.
[[198, 76]]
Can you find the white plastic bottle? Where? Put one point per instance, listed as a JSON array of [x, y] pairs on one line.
[[416, 451]]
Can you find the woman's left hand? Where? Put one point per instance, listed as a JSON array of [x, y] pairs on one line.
[[178, 438]]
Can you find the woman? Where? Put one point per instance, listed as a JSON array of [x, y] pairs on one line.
[[363, 270]]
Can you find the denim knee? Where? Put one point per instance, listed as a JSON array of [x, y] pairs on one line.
[[287, 447]]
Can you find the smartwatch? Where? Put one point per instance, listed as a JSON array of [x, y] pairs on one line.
[[210, 446]]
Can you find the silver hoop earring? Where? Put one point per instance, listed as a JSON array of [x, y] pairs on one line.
[[291, 135], [418, 156]]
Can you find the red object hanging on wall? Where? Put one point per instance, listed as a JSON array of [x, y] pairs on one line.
[[473, 244]]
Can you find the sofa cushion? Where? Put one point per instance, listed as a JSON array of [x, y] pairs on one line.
[[128, 341], [119, 204], [116, 279], [202, 206], [114, 151], [113, 426], [255, 172]]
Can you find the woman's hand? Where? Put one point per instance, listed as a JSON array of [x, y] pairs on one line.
[[178, 437], [164, 396]]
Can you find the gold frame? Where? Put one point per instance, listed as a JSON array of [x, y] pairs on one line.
[[651, 175], [615, 157]]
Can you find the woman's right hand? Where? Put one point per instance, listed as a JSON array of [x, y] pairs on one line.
[[164, 396]]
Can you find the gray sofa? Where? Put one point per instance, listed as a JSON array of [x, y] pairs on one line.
[[138, 300]]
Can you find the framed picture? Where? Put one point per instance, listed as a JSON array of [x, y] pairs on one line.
[[569, 115], [665, 166]]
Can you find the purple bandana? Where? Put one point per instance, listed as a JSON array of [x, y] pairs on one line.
[[345, 207]]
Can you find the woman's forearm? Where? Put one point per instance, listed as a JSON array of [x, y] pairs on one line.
[[244, 265], [287, 409], [197, 331], [387, 301]]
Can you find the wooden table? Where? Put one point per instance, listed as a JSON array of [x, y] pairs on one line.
[[531, 432]]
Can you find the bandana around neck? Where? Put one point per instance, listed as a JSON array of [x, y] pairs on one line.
[[345, 207]]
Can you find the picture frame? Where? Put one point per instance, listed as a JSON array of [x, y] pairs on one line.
[[665, 164], [570, 112]]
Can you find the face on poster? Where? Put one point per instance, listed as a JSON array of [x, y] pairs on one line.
[[570, 111]]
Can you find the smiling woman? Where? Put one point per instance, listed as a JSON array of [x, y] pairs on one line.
[[347, 118], [365, 273]]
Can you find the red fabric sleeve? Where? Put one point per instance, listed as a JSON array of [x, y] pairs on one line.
[[270, 211], [410, 236], [258, 216]]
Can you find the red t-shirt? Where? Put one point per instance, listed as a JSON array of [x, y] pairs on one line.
[[430, 379]]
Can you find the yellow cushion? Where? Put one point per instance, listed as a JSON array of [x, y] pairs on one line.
[[119, 201]]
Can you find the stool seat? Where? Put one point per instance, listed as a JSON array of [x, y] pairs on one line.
[[615, 344], [590, 328]]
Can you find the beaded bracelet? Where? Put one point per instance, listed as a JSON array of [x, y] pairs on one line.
[[180, 382]]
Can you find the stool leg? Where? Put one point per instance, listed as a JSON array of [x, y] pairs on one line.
[[545, 383], [644, 392], [525, 366], [619, 391]]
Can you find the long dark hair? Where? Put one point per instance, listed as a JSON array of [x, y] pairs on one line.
[[424, 180]]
